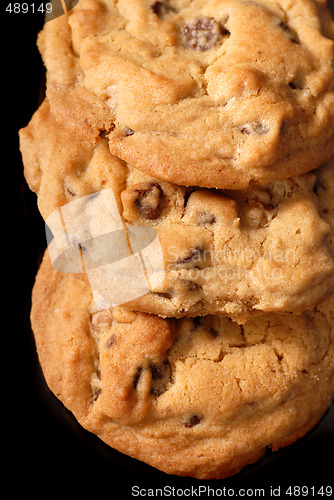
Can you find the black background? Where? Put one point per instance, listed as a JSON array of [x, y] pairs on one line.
[[45, 450]]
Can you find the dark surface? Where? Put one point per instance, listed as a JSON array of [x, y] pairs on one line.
[[46, 450]]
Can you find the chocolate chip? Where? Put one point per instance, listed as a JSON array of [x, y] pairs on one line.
[[160, 377], [137, 377], [294, 84], [255, 128], [203, 34], [162, 9], [193, 420], [129, 131], [149, 201]]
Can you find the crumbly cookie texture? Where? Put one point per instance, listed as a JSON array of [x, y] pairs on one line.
[[224, 252], [214, 93], [200, 397]]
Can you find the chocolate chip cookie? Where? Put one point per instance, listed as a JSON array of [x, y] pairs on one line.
[[199, 397], [211, 93], [225, 252]]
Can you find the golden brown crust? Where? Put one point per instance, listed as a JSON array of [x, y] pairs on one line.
[[253, 103]]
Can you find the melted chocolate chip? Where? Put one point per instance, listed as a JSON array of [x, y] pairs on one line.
[[149, 201], [203, 34], [160, 377], [193, 420], [162, 9]]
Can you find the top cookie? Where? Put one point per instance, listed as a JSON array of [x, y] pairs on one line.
[[214, 93]]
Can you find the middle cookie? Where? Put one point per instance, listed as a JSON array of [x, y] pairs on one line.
[[266, 248]]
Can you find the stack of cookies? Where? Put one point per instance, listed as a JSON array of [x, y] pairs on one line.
[[184, 309]]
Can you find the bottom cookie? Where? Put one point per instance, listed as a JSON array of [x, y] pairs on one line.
[[200, 397]]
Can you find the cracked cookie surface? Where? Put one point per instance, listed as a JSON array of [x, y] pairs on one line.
[[212, 93], [226, 252], [202, 397]]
